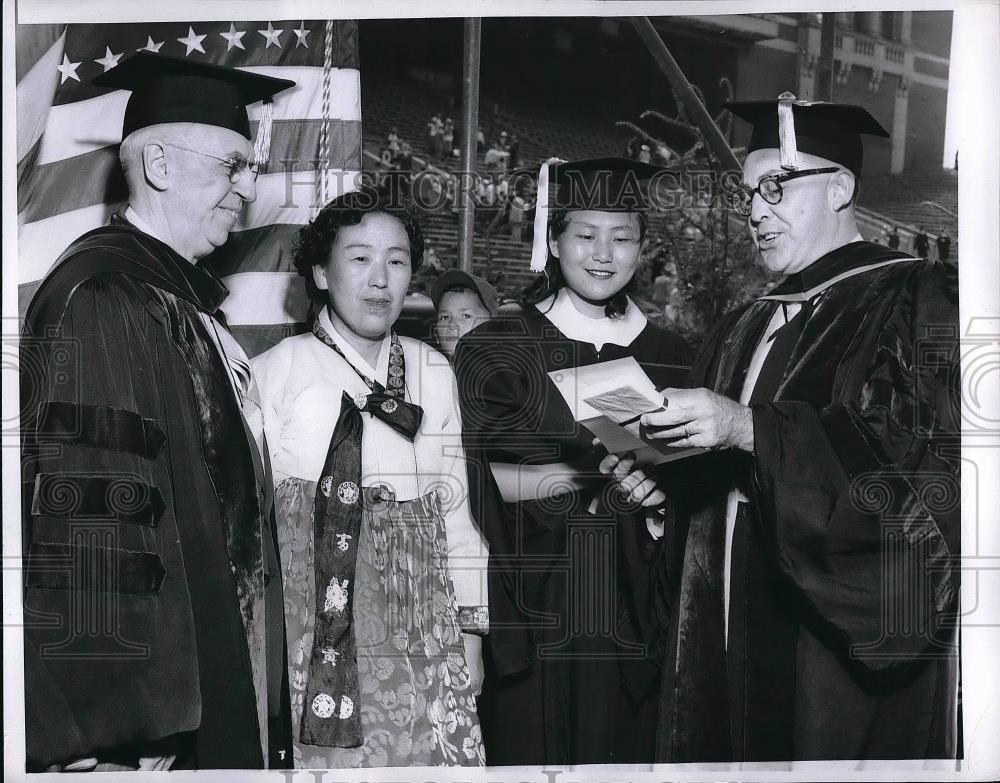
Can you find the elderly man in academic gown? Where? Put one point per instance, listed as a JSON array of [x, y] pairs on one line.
[[813, 580], [152, 594]]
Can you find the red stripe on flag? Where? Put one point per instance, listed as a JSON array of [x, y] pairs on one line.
[[31, 41]]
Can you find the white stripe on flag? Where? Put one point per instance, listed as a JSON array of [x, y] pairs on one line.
[[289, 197], [40, 243], [265, 298], [84, 126], [35, 93], [281, 198]]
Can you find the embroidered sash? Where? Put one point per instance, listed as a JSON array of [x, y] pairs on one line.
[[331, 717]]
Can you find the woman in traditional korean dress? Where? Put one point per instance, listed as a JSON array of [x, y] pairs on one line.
[[382, 564]]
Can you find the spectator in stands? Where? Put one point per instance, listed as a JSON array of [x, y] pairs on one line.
[[894, 238], [462, 302], [432, 262], [430, 270], [448, 138], [944, 245], [392, 141], [921, 244], [404, 160], [513, 152], [521, 208], [496, 157], [480, 191], [480, 141], [434, 130]]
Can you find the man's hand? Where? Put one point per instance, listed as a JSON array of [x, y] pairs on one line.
[[474, 660], [699, 417], [633, 481]]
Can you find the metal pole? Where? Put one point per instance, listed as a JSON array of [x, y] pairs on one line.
[[824, 73], [470, 129], [695, 108]]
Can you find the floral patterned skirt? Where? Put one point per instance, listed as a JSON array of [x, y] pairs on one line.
[[417, 708]]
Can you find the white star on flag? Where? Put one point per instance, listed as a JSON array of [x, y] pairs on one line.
[[68, 69], [109, 60], [150, 46], [301, 34], [233, 38], [271, 35], [192, 41]]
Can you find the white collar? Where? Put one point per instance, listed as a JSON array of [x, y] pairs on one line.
[[133, 217], [563, 314], [380, 372]]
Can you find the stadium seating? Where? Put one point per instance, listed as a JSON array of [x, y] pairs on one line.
[[407, 104]]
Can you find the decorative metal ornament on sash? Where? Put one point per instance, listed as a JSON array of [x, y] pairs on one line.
[[331, 715]]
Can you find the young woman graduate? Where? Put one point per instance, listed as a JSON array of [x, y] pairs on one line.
[[572, 667], [382, 562]]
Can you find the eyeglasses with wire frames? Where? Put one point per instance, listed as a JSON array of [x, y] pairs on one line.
[[740, 198], [236, 164]]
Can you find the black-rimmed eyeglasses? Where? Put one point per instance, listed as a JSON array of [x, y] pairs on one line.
[[740, 198], [237, 165]]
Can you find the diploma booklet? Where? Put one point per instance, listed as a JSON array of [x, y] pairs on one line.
[[608, 398]]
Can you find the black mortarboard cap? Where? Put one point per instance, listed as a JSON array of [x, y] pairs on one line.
[[170, 89], [600, 184], [827, 130]]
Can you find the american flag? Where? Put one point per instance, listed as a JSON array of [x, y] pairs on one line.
[[68, 131]]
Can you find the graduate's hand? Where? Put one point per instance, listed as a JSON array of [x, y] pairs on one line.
[[474, 660], [699, 417], [634, 482]]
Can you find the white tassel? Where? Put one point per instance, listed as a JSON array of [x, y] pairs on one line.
[[540, 245], [786, 132], [262, 145]]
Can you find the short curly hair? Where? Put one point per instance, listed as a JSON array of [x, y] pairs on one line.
[[315, 239]]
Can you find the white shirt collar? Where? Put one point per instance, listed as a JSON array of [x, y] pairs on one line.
[[133, 217], [563, 314], [378, 373]]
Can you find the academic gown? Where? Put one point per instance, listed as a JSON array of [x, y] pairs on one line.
[[571, 659], [841, 639], [150, 569]]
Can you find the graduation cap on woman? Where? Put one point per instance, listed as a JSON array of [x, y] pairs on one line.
[[827, 130], [170, 89], [599, 184]]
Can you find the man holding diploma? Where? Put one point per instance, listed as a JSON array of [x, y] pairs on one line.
[[813, 573]]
